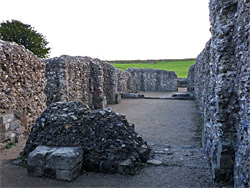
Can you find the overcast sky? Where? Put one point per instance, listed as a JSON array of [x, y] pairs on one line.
[[116, 29]]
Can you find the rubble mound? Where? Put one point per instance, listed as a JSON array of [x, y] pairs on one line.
[[109, 142]]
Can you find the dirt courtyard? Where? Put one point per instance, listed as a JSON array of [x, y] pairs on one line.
[[169, 127]]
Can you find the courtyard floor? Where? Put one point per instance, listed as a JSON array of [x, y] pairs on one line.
[[171, 128]]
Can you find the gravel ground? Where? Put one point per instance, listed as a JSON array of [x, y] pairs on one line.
[[169, 126]]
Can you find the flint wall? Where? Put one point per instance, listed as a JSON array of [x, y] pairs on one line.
[[154, 79], [89, 80], [220, 80], [22, 82]]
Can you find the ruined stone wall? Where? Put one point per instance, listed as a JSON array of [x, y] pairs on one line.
[[131, 84], [154, 79], [182, 82], [220, 80], [22, 81], [89, 80]]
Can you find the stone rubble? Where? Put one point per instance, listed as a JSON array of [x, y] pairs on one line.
[[220, 81], [154, 79], [108, 140], [22, 82]]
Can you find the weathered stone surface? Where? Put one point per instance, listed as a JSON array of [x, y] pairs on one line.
[[12, 126], [154, 79], [89, 80], [22, 82], [63, 163], [154, 162], [182, 82], [64, 158], [190, 79], [38, 156], [126, 167], [131, 95], [107, 139], [220, 80]]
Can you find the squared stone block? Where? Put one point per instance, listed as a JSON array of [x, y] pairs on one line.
[[2, 137], [6, 118], [37, 158], [65, 158], [15, 124], [64, 163], [2, 128], [69, 175]]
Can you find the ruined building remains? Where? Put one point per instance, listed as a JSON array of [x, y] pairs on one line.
[[220, 80], [108, 141], [89, 80], [22, 81], [154, 79]]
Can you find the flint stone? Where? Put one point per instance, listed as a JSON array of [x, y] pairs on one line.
[[106, 138], [90, 80], [220, 81], [154, 162], [154, 79], [22, 81], [126, 167]]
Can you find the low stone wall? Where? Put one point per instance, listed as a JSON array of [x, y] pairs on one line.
[[22, 81], [190, 79], [154, 79], [220, 81], [89, 80], [182, 82]]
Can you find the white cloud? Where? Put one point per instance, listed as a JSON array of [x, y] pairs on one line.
[[116, 29]]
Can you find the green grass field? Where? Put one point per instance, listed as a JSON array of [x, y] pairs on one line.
[[179, 67]]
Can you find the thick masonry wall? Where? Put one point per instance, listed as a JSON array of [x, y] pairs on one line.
[[220, 81], [89, 80], [22, 82], [154, 79]]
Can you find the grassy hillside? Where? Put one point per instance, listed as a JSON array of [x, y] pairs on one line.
[[180, 67]]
